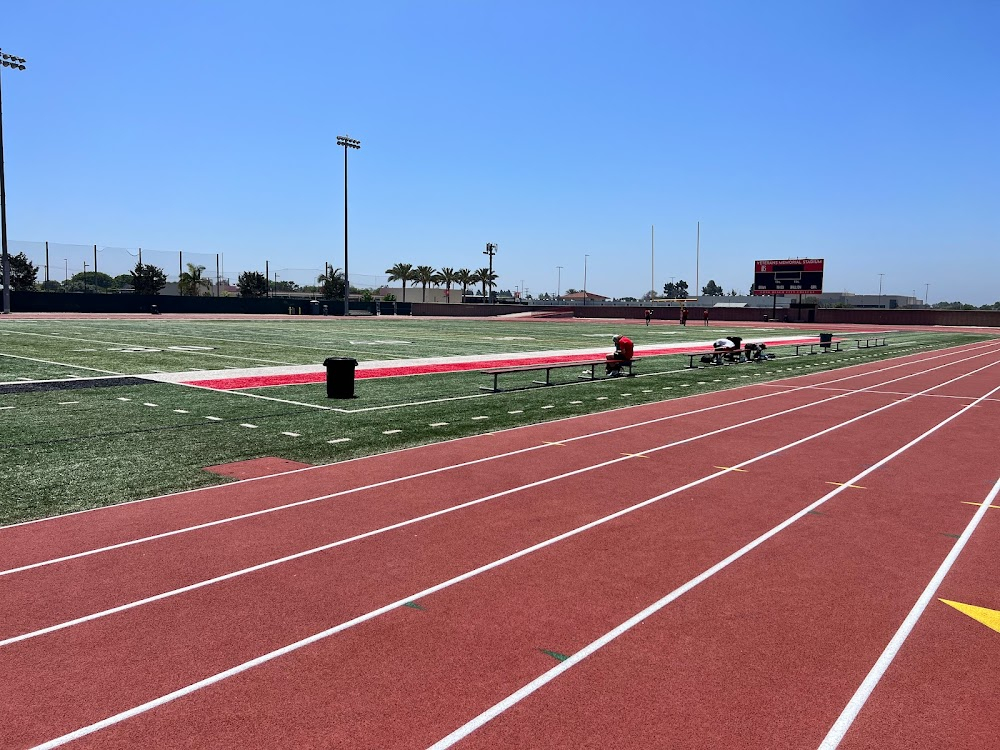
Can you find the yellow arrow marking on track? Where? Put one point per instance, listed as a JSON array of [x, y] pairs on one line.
[[635, 455], [988, 617], [546, 442], [855, 486], [964, 502], [730, 468]]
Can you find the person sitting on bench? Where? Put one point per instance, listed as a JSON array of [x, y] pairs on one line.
[[623, 353], [727, 348]]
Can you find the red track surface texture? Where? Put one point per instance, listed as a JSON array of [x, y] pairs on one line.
[[760, 568]]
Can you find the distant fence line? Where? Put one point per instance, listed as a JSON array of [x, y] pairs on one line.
[[60, 262]]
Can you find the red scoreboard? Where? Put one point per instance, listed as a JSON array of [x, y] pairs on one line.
[[797, 276]]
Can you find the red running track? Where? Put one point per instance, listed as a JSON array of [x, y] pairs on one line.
[[718, 571]]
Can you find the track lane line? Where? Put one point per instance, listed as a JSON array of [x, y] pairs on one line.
[[576, 658], [430, 472], [857, 702], [543, 679]]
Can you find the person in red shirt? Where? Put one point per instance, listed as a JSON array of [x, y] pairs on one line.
[[623, 353]]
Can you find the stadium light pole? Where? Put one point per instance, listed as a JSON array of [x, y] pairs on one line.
[[880, 290], [558, 280], [17, 63], [346, 142], [927, 291], [585, 278]]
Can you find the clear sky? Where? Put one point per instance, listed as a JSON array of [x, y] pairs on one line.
[[859, 131]]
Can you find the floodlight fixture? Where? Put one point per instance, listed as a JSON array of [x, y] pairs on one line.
[[15, 63]]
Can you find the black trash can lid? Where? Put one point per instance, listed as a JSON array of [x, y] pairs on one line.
[[338, 360]]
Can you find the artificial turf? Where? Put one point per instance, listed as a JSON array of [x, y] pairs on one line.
[[80, 448]]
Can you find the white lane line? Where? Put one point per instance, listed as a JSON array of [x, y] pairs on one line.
[[481, 417], [292, 434], [339, 440], [214, 419], [67, 403], [491, 713], [5, 408], [248, 425], [516, 411], [498, 456], [860, 697], [149, 404], [122, 398], [391, 432], [549, 406], [438, 424], [181, 411], [531, 687]]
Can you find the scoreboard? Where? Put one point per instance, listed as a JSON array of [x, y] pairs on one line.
[[797, 276]]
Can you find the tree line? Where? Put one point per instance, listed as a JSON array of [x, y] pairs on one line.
[[448, 277]]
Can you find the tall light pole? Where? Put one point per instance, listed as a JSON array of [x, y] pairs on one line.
[[880, 290], [558, 281], [346, 142], [585, 278], [927, 291], [17, 63], [491, 250]]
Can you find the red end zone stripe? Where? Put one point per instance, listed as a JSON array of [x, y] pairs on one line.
[[264, 381]]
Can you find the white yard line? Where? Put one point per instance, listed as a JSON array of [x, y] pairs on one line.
[[60, 364], [562, 667]]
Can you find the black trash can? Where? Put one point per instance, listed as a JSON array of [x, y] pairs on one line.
[[340, 376], [826, 341]]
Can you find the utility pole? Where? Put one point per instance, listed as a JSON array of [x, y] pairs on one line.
[[558, 281], [491, 250]]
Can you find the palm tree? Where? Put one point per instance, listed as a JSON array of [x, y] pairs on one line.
[[463, 276], [425, 275], [484, 277], [331, 282], [190, 283], [448, 277], [401, 272]]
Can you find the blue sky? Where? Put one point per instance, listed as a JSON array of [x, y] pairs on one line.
[[862, 132]]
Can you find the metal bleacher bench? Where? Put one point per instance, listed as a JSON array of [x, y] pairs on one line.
[[826, 347], [874, 341], [547, 368]]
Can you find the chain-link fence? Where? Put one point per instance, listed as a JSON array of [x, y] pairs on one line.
[[65, 267]]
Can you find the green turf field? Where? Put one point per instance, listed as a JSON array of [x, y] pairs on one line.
[[77, 448]]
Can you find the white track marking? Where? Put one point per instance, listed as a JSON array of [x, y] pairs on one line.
[[248, 425], [592, 647], [292, 434], [514, 490], [339, 440], [214, 419], [437, 424], [531, 687], [181, 411], [391, 432], [499, 456], [860, 697], [60, 364]]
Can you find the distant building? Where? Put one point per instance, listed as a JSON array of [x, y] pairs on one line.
[[581, 296]]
